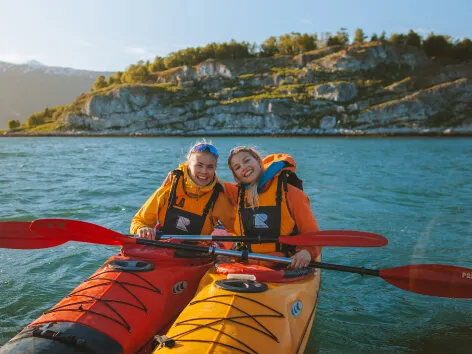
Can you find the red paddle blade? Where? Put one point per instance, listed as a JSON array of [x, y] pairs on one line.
[[336, 238], [17, 235], [80, 231], [431, 279]]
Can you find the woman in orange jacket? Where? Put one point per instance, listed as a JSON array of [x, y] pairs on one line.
[[189, 202], [270, 202]]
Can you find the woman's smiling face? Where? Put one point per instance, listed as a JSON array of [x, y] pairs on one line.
[[246, 168], [202, 167]]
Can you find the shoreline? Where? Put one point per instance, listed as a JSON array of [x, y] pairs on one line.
[[320, 135]]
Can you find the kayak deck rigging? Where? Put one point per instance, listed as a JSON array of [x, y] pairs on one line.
[[71, 306], [218, 299]]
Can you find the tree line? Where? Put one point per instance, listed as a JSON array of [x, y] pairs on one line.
[[39, 118], [437, 46], [442, 47]]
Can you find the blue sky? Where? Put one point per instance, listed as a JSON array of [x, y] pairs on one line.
[[111, 34]]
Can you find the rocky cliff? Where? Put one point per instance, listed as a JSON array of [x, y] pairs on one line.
[[369, 88]]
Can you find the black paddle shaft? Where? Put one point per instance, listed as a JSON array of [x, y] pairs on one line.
[[341, 268], [257, 239], [244, 255], [176, 246]]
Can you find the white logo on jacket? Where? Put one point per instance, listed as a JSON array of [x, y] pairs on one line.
[[182, 223], [259, 221]]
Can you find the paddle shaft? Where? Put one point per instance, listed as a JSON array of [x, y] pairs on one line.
[[329, 238], [217, 238], [212, 238], [244, 255], [427, 279], [358, 270]]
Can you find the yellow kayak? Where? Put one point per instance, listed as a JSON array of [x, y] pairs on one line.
[[232, 314]]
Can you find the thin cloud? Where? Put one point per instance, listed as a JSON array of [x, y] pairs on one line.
[[17, 58], [179, 45], [139, 53], [135, 50], [173, 46], [305, 21]]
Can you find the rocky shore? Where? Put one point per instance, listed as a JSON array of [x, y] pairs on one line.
[[372, 89]]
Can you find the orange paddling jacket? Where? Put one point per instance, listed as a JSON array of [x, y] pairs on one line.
[[284, 209], [182, 207]]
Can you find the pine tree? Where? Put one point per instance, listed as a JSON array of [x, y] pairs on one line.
[[359, 36], [463, 50], [438, 46], [413, 39]]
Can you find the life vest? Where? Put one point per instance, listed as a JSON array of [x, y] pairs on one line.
[[186, 215], [272, 217]]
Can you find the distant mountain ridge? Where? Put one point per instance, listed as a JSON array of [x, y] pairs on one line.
[[30, 87]]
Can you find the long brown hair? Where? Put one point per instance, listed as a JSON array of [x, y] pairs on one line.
[[253, 195]]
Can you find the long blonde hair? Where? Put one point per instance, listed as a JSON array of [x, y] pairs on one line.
[[253, 195]]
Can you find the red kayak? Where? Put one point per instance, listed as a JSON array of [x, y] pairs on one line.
[[135, 295]]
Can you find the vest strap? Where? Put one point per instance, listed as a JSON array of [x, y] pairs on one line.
[[177, 174], [214, 196]]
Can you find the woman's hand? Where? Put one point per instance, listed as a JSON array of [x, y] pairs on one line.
[[220, 232], [300, 260], [147, 232]]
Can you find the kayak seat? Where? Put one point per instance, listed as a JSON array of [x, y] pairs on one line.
[[129, 265], [241, 285]]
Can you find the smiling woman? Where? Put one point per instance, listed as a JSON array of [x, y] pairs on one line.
[[270, 201], [202, 159], [190, 201]]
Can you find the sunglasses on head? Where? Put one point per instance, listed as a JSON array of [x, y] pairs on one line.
[[205, 147]]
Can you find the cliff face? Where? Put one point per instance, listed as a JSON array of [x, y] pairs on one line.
[[371, 88]]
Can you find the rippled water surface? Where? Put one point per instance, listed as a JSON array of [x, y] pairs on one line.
[[416, 192]]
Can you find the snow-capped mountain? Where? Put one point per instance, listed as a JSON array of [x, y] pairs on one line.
[[34, 65], [31, 87]]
